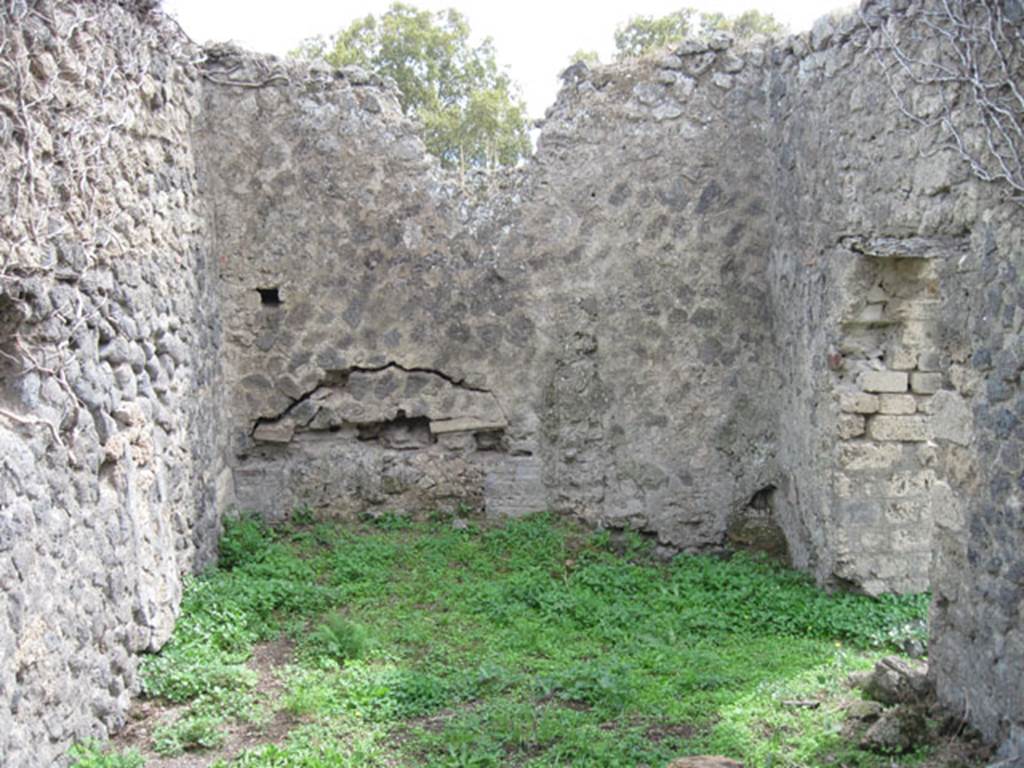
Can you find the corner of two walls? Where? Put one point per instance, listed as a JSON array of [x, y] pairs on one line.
[[701, 297], [393, 342], [900, 284], [865, 241]]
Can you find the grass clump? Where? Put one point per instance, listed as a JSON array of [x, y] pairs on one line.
[[379, 691], [207, 650], [335, 638], [260, 585], [193, 731], [245, 540], [201, 725], [92, 754], [535, 643], [341, 743]]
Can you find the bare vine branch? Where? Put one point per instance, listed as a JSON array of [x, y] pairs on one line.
[[55, 165], [969, 56]]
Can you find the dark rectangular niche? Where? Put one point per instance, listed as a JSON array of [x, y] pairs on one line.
[[270, 297]]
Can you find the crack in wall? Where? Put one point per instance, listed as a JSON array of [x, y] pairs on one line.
[[376, 408], [455, 382], [913, 247]]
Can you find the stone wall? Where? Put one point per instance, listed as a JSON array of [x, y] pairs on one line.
[[856, 275], [585, 338], [697, 307], [644, 225], [108, 364], [897, 278], [977, 648], [349, 290], [736, 297]]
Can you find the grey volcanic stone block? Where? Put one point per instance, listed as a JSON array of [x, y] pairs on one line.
[[103, 507]]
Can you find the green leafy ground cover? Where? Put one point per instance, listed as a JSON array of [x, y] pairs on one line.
[[536, 643]]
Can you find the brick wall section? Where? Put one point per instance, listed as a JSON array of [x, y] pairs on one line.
[[856, 289], [897, 282]]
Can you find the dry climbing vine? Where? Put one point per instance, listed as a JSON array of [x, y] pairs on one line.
[[966, 60], [62, 120]]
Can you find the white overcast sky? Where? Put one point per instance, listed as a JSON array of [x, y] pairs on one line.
[[533, 38]]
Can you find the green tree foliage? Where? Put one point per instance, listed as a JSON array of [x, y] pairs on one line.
[[746, 24], [470, 110], [590, 58], [647, 33], [642, 34]]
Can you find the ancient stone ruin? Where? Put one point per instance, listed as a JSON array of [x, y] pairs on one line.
[[738, 288]]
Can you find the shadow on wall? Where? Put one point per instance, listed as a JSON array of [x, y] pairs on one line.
[[754, 528]]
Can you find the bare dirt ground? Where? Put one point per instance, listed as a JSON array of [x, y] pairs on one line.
[[268, 659]]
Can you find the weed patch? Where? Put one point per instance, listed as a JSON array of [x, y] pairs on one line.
[[193, 731], [92, 754], [535, 643], [334, 638]]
